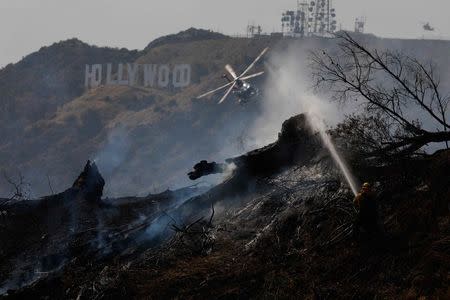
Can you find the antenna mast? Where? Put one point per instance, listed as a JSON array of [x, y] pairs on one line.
[[313, 18]]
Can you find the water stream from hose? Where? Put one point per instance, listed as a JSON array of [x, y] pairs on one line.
[[317, 124]]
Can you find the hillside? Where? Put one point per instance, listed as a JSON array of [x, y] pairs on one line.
[[144, 139], [79, 124], [278, 227]]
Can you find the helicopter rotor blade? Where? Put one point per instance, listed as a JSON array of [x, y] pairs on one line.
[[216, 90], [231, 71], [227, 93], [254, 62], [252, 76]]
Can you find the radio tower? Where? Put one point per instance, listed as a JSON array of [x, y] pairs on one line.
[[360, 23], [294, 23], [322, 17], [313, 18]]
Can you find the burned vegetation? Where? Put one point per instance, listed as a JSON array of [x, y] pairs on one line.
[[405, 106], [281, 225]]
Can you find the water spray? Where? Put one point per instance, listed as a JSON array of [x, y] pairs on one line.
[[285, 95], [318, 125]]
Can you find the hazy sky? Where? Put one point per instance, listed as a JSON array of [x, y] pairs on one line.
[[26, 25]]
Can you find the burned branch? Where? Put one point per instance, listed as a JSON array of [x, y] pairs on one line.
[[50, 185], [197, 237], [20, 187], [388, 84]]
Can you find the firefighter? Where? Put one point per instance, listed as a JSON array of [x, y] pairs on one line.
[[367, 218]]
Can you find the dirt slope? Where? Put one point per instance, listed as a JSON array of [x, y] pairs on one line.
[[284, 233]]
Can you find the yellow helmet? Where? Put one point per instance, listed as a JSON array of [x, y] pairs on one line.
[[366, 186]]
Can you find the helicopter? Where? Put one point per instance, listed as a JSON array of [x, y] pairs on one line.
[[427, 27], [238, 84]]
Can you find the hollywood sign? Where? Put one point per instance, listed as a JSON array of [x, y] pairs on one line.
[[131, 74]]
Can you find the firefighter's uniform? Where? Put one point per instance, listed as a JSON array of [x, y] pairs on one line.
[[367, 217]]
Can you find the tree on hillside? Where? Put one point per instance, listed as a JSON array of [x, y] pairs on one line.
[[21, 188], [398, 92]]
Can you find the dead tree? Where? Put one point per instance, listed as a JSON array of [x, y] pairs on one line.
[[50, 185], [20, 187], [389, 85]]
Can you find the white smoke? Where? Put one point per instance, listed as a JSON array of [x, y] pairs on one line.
[[287, 93], [113, 154]]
